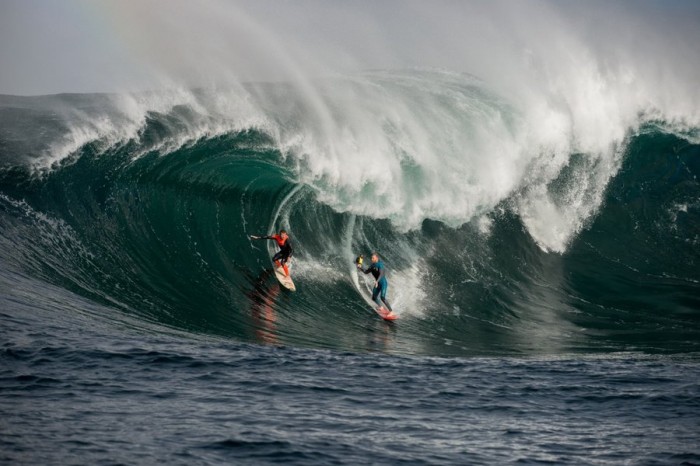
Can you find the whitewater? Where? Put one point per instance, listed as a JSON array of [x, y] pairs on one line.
[[528, 173]]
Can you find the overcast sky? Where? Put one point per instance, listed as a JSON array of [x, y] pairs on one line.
[[49, 46]]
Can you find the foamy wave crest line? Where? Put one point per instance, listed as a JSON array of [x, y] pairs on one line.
[[406, 146], [119, 118], [445, 146]]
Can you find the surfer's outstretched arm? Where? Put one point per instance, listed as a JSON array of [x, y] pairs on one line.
[[362, 269]]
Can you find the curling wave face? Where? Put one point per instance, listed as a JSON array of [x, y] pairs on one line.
[[502, 225]]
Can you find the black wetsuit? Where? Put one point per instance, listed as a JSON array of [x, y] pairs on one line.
[[285, 251]]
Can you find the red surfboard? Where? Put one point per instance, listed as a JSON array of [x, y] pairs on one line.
[[386, 314]]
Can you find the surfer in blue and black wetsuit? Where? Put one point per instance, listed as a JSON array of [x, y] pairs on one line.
[[378, 271]]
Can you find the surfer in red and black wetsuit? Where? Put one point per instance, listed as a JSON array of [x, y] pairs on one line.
[[280, 259]]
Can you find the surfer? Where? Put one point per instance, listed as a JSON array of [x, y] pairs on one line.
[[378, 271], [282, 257]]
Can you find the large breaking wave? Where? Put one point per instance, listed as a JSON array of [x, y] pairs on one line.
[[507, 227]]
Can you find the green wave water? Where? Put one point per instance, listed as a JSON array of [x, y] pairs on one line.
[[162, 234]]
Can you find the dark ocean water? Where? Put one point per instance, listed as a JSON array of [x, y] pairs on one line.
[[80, 389], [83, 389], [141, 325]]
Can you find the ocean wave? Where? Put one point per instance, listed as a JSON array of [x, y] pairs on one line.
[[152, 218]]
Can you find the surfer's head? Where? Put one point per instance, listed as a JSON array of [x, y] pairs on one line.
[[375, 257], [283, 234]]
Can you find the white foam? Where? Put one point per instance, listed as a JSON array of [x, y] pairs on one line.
[[123, 117], [406, 293]]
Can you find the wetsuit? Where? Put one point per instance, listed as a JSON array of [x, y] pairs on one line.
[[285, 251], [378, 271]]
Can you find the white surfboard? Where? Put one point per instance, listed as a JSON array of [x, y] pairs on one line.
[[285, 280]]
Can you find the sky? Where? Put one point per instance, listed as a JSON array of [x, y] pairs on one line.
[[49, 46]]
